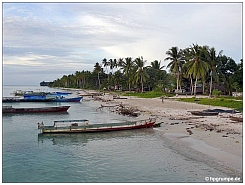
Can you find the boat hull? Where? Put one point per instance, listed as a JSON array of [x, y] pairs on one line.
[[36, 110], [11, 100], [203, 113], [77, 99], [100, 127]]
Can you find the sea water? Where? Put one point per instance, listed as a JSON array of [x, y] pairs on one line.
[[143, 155]]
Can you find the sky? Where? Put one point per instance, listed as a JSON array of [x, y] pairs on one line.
[[44, 41]]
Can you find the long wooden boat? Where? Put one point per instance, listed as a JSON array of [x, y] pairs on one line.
[[40, 99], [204, 113], [82, 126], [10, 109], [13, 100], [60, 99], [21, 93]]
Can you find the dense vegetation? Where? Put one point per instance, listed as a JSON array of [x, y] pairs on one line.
[[189, 68]]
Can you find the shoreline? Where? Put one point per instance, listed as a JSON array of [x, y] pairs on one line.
[[223, 143]]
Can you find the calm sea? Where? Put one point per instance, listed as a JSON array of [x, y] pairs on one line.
[[143, 155]]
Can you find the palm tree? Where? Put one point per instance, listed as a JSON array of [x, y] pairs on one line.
[[186, 58], [176, 63], [228, 83], [140, 75], [156, 66], [127, 66], [106, 64], [213, 60], [196, 67], [97, 69], [120, 62], [155, 71]]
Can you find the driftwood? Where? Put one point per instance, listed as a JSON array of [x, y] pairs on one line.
[[128, 111], [120, 109], [237, 119]]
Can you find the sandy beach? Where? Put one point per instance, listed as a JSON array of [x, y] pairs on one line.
[[216, 136]]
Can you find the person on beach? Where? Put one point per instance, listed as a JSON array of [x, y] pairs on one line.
[[162, 99]]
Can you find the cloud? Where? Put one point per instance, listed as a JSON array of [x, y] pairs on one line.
[[67, 37]]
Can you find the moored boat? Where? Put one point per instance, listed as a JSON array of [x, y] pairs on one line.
[[63, 99], [204, 113], [60, 93], [29, 92], [10, 109], [13, 100], [82, 126]]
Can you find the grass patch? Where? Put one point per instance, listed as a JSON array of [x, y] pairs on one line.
[[150, 94], [222, 102]]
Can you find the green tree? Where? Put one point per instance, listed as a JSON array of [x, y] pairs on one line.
[[187, 57], [127, 67], [106, 64], [156, 73], [213, 59], [196, 66], [140, 75], [176, 63], [97, 69]]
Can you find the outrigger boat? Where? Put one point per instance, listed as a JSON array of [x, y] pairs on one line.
[[10, 109], [82, 126]]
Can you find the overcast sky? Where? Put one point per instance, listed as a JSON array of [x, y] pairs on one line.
[[44, 41]]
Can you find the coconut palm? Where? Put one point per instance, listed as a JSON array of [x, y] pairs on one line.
[[97, 69], [186, 58], [196, 66], [127, 66], [106, 64], [155, 71], [213, 60], [176, 63], [140, 75]]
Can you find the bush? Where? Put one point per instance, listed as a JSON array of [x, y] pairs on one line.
[[216, 93]]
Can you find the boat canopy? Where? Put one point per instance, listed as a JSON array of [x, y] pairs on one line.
[[68, 123]]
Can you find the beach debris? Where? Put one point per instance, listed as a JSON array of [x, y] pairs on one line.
[[121, 109], [175, 123], [189, 131], [129, 111], [236, 119], [157, 124]]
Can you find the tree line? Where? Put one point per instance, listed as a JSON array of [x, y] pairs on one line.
[[188, 68]]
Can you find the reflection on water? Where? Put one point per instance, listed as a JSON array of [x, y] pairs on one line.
[[83, 138]]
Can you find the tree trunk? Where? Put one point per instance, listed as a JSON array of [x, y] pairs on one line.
[[210, 88], [142, 86], [195, 89], [177, 81], [191, 87], [203, 87], [99, 80]]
